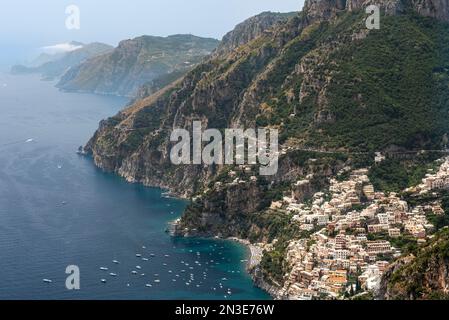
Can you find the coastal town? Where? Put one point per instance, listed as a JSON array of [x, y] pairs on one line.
[[353, 233]]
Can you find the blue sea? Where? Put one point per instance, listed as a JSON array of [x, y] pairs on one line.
[[57, 209]]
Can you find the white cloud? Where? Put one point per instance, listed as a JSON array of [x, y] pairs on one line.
[[61, 48]]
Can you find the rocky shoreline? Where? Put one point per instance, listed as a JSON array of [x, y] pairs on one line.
[[252, 267]]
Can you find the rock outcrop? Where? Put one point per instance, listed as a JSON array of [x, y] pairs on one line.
[[251, 29], [421, 277]]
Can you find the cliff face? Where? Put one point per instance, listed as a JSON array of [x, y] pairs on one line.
[[438, 9], [420, 277], [326, 9], [251, 29], [144, 60]]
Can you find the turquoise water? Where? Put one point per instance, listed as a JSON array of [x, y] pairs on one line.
[[58, 209]]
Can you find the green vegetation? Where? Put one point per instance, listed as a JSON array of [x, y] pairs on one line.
[[376, 97], [419, 279], [395, 175]]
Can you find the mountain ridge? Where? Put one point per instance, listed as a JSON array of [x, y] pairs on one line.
[[56, 65], [136, 62]]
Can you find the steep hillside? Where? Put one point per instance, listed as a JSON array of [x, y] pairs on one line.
[[57, 65], [137, 62], [421, 277]]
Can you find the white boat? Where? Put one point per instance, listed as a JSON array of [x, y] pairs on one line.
[[134, 272], [113, 274], [138, 267], [157, 281], [138, 255], [104, 269], [145, 259], [115, 261], [48, 281], [148, 285], [103, 280]]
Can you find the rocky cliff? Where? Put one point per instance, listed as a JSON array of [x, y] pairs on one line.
[[251, 29], [141, 61]]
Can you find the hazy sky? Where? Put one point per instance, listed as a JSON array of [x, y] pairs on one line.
[[26, 25], [42, 22]]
